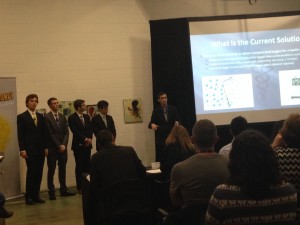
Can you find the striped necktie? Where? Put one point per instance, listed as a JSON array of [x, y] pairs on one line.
[[56, 118]]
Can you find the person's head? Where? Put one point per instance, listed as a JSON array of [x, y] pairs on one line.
[[79, 105], [253, 164], [179, 135], [162, 98], [104, 138], [237, 125], [291, 131], [53, 104], [204, 135], [31, 101], [103, 107]]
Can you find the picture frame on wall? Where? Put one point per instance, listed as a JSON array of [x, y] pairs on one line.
[[133, 110], [66, 108], [42, 111], [92, 110]]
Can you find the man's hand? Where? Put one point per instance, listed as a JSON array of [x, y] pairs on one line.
[[62, 149], [154, 126], [23, 154], [88, 142]]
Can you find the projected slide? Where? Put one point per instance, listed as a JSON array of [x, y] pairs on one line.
[[289, 87], [245, 71], [227, 92]]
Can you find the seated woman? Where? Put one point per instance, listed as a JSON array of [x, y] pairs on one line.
[[254, 193], [287, 148], [178, 148]]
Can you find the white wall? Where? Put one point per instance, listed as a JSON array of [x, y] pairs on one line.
[[96, 49]]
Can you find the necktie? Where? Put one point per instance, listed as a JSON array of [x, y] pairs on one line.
[[56, 119], [82, 120], [104, 120], [166, 114], [34, 118]]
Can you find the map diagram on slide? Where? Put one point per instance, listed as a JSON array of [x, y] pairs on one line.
[[227, 92], [289, 82]]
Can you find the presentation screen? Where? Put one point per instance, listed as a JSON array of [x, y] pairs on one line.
[[247, 67]]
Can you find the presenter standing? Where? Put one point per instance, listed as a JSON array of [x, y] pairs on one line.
[[163, 118]]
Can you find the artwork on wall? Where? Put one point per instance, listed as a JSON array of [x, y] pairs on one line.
[[66, 108], [133, 110], [42, 111], [92, 110]]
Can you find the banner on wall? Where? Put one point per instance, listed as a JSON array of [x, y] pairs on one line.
[[10, 165]]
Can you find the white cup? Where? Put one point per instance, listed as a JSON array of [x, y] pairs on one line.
[[155, 165]]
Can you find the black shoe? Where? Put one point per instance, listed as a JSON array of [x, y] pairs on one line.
[[38, 200], [29, 201], [67, 193], [52, 197], [5, 214]]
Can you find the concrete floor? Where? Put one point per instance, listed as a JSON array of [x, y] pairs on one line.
[[62, 211]]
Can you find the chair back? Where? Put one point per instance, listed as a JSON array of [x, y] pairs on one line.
[[128, 203]]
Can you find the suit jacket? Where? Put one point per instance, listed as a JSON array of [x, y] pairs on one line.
[[31, 138], [165, 126], [98, 124], [114, 164], [57, 135], [80, 132]]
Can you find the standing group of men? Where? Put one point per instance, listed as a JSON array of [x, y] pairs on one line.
[[41, 136]]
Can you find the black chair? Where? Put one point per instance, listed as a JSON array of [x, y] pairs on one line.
[[124, 203], [190, 215]]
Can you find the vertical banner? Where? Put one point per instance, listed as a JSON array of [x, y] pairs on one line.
[[10, 165]]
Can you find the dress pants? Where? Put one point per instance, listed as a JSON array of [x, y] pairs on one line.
[[61, 159], [82, 159], [35, 165], [2, 200]]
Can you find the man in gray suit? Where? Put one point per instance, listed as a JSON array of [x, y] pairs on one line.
[[58, 132]]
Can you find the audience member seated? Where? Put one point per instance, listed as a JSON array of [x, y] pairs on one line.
[[237, 125], [275, 130], [3, 212], [287, 147], [194, 179], [112, 164], [254, 193], [178, 148]]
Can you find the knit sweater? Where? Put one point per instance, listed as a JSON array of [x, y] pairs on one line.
[[230, 206]]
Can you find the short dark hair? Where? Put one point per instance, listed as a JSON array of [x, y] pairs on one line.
[[104, 138], [31, 96], [77, 103], [161, 93], [253, 164], [50, 100], [205, 133], [291, 131], [237, 125], [101, 104]]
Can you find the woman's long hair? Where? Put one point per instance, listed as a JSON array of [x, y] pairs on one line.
[[180, 136], [253, 164]]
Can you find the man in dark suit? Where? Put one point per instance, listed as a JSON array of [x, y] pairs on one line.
[[102, 121], [58, 136], [114, 163], [81, 128], [163, 118], [32, 144]]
